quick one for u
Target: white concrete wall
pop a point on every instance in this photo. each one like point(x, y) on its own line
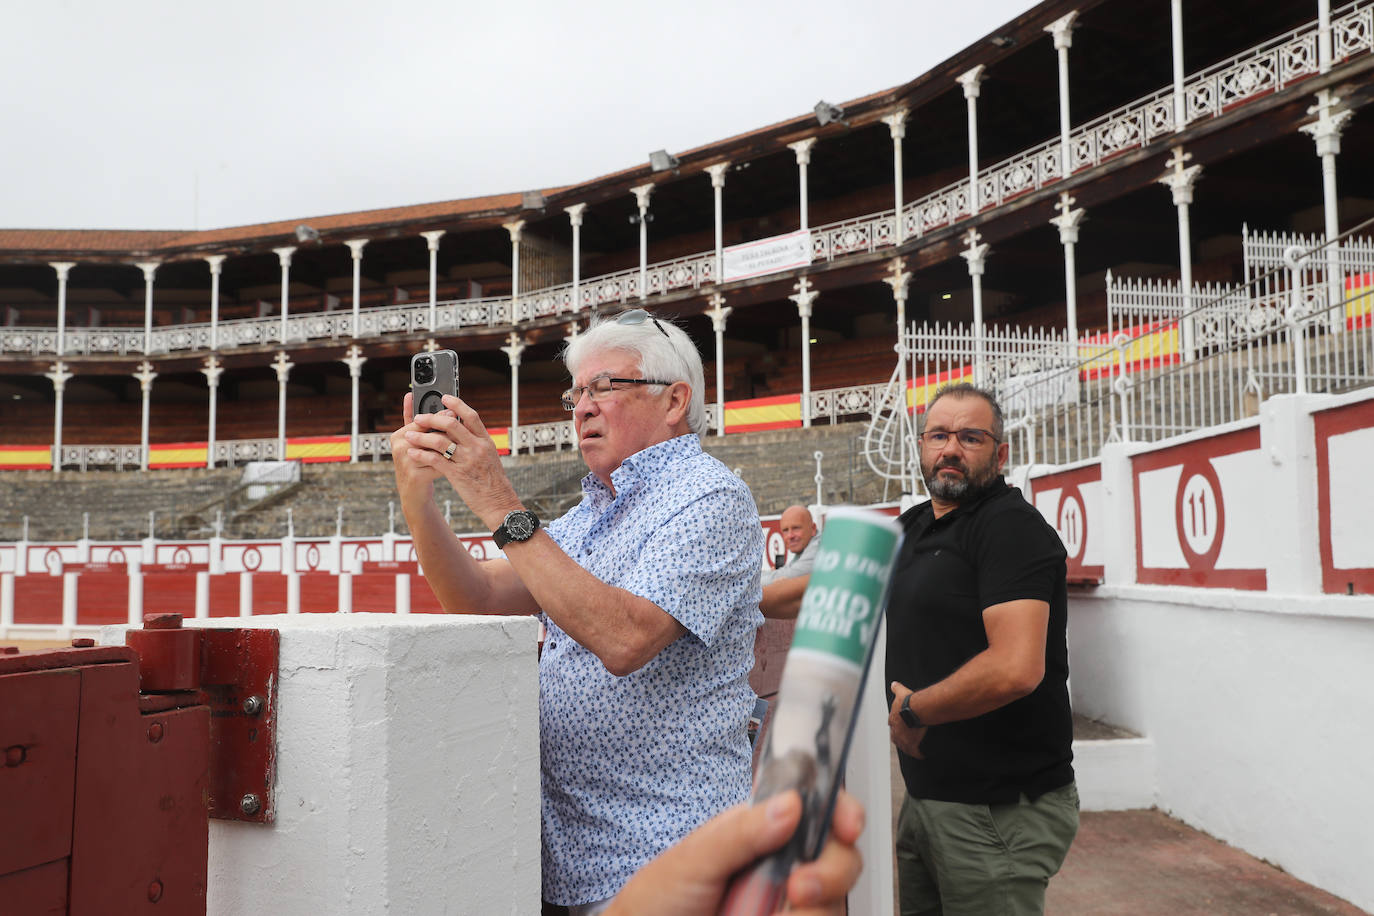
point(407, 771)
point(1260, 708)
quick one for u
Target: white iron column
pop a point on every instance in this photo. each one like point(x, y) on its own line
point(718, 312)
point(976, 254)
point(516, 229)
point(513, 348)
point(59, 376)
point(1180, 179)
point(149, 268)
point(284, 255)
point(354, 359)
point(803, 150)
point(575, 217)
point(145, 376)
point(1180, 105)
point(1062, 30)
point(900, 279)
point(641, 193)
point(970, 80)
point(1067, 223)
point(717, 173)
point(62, 268)
point(804, 297)
point(212, 369)
point(216, 262)
point(432, 238)
point(1324, 35)
point(896, 125)
point(356, 247)
point(283, 367)
point(1326, 132)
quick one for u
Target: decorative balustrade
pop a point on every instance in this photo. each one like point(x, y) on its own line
point(544, 435)
point(1352, 30)
point(853, 236)
point(1265, 68)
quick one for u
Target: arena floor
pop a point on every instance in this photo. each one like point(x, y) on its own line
point(1145, 863)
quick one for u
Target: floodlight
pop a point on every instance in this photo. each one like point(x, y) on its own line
point(306, 233)
point(660, 160)
point(828, 114)
point(532, 200)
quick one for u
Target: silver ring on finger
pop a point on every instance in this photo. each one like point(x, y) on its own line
point(448, 452)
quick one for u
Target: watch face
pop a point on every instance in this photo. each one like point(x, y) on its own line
point(521, 525)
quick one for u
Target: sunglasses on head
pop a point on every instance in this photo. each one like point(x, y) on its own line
point(639, 316)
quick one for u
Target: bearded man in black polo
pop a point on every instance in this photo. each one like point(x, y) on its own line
point(977, 658)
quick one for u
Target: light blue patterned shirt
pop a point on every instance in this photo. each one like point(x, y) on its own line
point(632, 764)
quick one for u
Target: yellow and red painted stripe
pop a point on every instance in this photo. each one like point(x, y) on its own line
point(178, 454)
point(1359, 300)
point(25, 457)
point(317, 449)
point(779, 412)
point(1151, 346)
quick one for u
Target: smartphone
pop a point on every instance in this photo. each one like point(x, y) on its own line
point(433, 375)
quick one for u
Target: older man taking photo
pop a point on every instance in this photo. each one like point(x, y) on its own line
point(648, 589)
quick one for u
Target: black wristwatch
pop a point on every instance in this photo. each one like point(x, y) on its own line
point(909, 715)
point(519, 525)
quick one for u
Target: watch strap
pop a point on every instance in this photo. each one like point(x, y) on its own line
point(526, 524)
point(908, 714)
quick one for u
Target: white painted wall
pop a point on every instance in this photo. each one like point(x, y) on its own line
point(407, 770)
point(1260, 709)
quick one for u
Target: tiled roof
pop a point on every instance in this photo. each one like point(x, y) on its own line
point(126, 242)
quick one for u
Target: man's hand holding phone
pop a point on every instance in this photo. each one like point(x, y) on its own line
point(454, 444)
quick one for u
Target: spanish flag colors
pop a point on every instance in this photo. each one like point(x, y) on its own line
point(178, 454)
point(25, 457)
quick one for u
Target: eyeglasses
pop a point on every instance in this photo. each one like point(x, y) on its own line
point(968, 438)
point(598, 388)
point(639, 316)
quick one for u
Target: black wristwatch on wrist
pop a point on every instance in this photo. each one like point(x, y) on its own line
point(909, 715)
point(519, 525)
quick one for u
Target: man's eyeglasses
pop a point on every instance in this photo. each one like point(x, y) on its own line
point(639, 316)
point(600, 387)
point(968, 438)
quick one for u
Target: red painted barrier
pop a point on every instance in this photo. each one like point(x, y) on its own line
point(224, 595)
point(102, 597)
point(169, 593)
point(269, 593)
point(38, 599)
point(319, 593)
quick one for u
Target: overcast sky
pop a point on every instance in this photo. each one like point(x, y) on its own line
point(154, 114)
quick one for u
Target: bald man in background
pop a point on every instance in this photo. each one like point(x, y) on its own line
point(783, 586)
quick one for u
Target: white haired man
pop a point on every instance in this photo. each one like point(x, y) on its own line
point(648, 589)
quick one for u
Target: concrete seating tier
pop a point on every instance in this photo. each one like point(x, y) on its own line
point(118, 502)
point(777, 465)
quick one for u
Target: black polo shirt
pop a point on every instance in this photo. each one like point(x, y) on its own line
point(995, 549)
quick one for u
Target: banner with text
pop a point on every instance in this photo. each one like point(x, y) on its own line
point(767, 256)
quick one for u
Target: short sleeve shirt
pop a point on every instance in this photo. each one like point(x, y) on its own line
point(799, 564)
point(988, 552)
point(632, 764)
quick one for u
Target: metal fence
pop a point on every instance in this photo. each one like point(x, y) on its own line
point(1171, 361)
